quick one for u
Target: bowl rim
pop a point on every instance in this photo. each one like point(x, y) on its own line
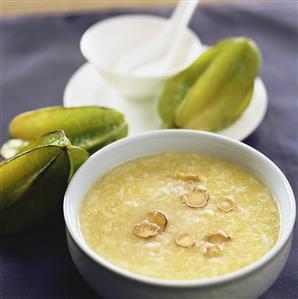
point(149, 17)
point(203, 283)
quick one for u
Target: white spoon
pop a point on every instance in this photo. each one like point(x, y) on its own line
point(159, 54)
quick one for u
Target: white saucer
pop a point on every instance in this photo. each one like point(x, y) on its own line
point(86, 87)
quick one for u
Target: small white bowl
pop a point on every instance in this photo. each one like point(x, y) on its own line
point(113, 282)
point(104, 43)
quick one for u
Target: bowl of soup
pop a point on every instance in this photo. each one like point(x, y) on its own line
point(179, 214)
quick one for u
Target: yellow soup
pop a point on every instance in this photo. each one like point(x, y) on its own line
point(179, 216)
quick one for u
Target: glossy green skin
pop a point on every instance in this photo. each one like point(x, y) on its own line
point(177, 87)
point(215, 90)
point(89, 127)
point(53, 138)
point(32, 184)
point(76, 155)
point(34, 181)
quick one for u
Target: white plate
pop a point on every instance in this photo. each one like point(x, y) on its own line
point(86, 87)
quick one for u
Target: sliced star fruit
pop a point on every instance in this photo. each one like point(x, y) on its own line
point(185, 240)
point(146, 229)
point(226, 204)
point(159, 218)
point(218, 237)
point(89, 127)
point(212, 250)
point(196, 198)
point(33, 182)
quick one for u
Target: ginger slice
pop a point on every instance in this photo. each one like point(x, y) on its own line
point(212, 250)
point(217, 237)
point(185, 240)
point(146, 229)
point(187, 177)
point(215, 243)
point(159, 218)
point(196, 198)
point(226, 204)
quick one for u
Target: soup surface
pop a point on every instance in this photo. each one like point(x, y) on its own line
point(179, 216)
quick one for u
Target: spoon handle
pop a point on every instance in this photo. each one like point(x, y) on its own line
point(177, 23)
point(183, 12)
point(158, 47)
point(171, 45)
point(180, 19)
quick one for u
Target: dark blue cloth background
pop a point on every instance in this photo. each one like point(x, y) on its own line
point(39, 54)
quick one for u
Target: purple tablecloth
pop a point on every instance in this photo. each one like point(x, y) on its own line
point(39, 54)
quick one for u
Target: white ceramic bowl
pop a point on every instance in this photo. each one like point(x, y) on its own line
point(104, 43)
point(113, 282)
